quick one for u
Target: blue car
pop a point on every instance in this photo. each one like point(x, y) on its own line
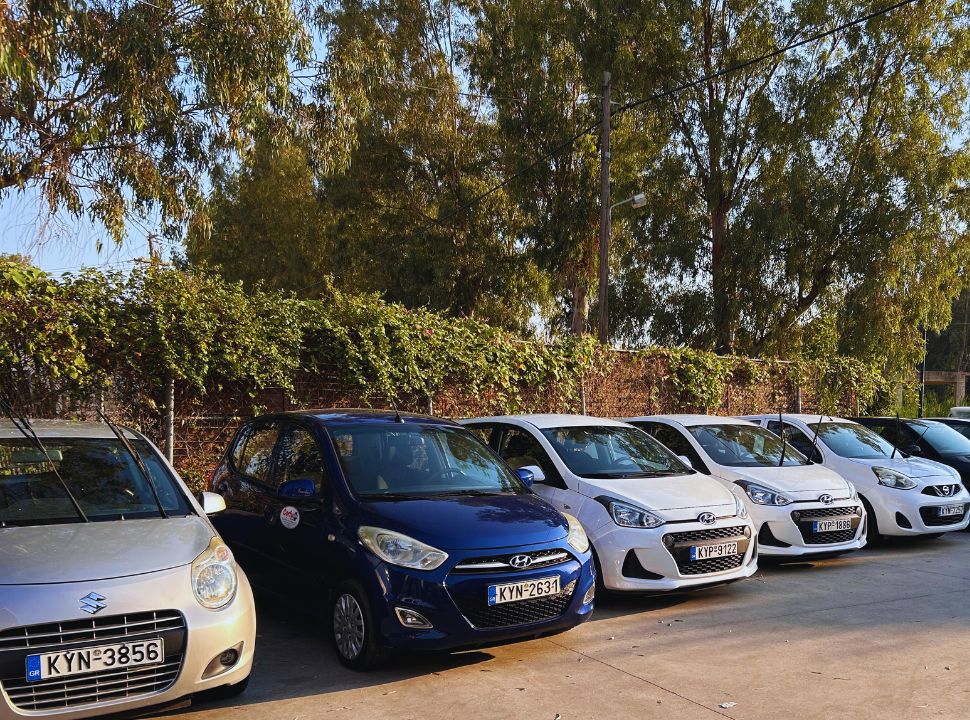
point(406, 530)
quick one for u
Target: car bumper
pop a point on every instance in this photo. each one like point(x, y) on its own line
point(657, 559)
point(205, 635)
point(455, 604)
point(897, 509)
point(786, 530)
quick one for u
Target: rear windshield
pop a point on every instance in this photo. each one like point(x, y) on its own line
point(745, 446)
point(100, 473)
point(401, 461)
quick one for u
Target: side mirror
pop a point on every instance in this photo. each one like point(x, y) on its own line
point(530, 474)
point(913, 449)
point(686, 460)
point(212, 503)
point(298, 488)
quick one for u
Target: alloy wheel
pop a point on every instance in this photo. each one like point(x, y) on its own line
point(348, 626)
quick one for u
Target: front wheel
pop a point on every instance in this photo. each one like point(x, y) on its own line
point(354, 629)
point(873, 536)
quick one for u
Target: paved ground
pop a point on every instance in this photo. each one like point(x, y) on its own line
point(883, 633)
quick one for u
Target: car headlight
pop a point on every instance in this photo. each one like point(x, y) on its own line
point(893, 479)
point(576, 536)
point(762, 495)
point(398, 549)
point(214, 579)
point(741, 510)
point(632, 516)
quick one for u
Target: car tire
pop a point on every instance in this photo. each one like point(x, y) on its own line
point(601, 589)
point(225, 692)
point(873, 536)
point(354, 629)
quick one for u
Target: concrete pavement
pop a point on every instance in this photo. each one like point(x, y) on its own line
point(882, 633)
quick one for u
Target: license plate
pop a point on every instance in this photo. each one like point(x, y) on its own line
point(832, 524)
point(94, 659)
point(949, 510)
point(705, 552)
point(526, 590)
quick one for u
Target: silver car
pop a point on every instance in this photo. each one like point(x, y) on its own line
point(116, 593)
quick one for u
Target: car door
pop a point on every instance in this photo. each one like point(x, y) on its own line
point(520, 448)
point(301, 523)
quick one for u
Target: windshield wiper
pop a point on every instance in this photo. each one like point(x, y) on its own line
point(138, 461)
point(390, 496)
point(630, 474)
point(27, 430)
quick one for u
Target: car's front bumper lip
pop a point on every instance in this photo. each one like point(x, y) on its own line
point(886, 502)
point(785, 529)
point(207, 632)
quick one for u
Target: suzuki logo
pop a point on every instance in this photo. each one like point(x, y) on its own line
point(826, 499)
point(92, 603)
point(707, 518)
point(520, 561)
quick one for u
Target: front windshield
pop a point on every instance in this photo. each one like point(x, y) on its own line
point(850, 440)
point(942, 438)
point(613, 451)
point(744, 446)
point(100, 473)
point(399, 461)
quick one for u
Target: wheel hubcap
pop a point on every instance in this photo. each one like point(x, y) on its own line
point(348, 626)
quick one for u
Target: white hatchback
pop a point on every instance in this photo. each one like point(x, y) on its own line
point(654, 523)
point(800, 508)
point(905, 495)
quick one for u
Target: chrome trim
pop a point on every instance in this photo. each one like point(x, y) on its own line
point(546, 560)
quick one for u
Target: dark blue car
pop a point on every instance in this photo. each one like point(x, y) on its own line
point(407, 531)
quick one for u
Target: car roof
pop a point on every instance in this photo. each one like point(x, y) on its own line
point(690, 420)
point(807, 418)
point(359, 416)
point(945, 420)
point(551, 420)
point(64, 429)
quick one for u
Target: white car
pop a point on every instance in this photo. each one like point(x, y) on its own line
point(799, 507)
point(654, 523)
point(904, 495)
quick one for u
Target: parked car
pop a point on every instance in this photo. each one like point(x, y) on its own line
point(654, 523)
point(960, 411)
point(406, 530)
point(927, 439)
point(116, 593)
point(903, 494)
point(960, 424)
point(800, 508)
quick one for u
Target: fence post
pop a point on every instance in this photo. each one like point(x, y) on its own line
point(582, 395)
point(169, 420)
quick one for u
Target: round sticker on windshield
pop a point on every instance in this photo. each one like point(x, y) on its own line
point(289, 517)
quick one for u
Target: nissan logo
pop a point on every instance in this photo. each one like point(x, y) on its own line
point(826, 499)
point(947, 489)
point(707, 518)
point(520, 561)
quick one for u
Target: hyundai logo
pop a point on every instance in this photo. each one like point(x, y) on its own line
point(826, 499)
point(707, 518)
point(92, 603)
point(520, 561)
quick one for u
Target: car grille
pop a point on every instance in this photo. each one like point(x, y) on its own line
point(678, 544)
point(538, 559)
point(931, 519)
point(524, 612)
point(803, 519)
point(95, 687)
point(942, 490)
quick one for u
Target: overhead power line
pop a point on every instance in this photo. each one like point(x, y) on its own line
point(626, 107)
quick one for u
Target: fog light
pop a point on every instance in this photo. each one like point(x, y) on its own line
point(747, 531)
point(223, 662)
point(590, 594)
point(412, 619)
point(229, 657)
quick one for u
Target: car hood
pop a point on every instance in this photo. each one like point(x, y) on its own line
point(82, 552)
point(791, 478)
point(913, 467)
point(663, 493)
point(470, 522)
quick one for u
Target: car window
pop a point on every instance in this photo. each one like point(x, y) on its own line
point(939, 437)
point(850, 440)
point(613, 452)
point(254, 452)
point(100, 473)
point(300, 458)
point(519, 448)
point(675, 442)
point(485, 433)
point(794, 437)
point(736, 445)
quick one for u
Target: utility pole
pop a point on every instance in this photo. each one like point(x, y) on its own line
point(922, 377)
point(605, 210)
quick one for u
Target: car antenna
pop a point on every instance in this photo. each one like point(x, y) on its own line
point(781, 429)
point(926, 429)
point(892, 455)
point(137, 458)
point(27, 430)
point(397, 413)
point(815, 437)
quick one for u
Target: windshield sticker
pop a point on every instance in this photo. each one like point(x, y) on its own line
point(289, 517)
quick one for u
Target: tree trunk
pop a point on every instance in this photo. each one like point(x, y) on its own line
point(578, 324)
point(723, 310)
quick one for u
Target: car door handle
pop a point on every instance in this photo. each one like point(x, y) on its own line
point(566, 507)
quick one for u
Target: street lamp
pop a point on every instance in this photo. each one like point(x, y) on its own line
point(603, 325)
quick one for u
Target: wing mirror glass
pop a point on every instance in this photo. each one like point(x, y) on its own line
point(298, 488)
point(212, 503)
